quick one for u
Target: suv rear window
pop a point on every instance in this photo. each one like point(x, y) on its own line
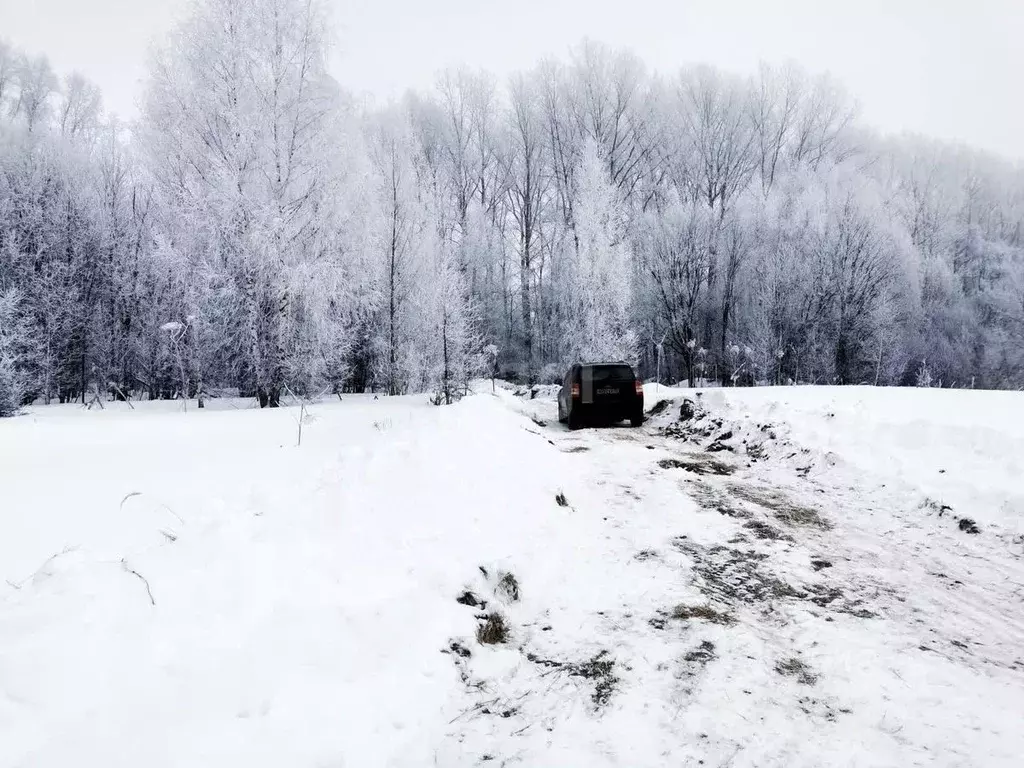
point(608, 374)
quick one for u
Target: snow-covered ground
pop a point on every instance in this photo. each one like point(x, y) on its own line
point(193, 589)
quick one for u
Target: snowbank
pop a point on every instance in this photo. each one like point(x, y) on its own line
point(961, 448)
point(301, 595)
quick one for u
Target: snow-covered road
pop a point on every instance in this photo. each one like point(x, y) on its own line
point(782, 602)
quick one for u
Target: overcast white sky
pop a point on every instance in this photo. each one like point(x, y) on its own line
point(949, 68)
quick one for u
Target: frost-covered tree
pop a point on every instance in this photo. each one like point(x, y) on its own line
point(455, 346)
point(597, 278)
point(528, 182)
point(240, 117)
point(677, 269)
point(402, 234)
point(583, 209)
point(14, 344)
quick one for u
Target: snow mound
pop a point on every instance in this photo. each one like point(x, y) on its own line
point(705, 421)
point(538, 392)
point(954, 453)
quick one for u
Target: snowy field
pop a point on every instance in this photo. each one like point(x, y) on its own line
point(791, 577)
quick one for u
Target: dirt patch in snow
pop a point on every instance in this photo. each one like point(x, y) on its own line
point(458, 649)
point(702, 654)
point(967, 525)
point(836, 601)
point(766, 532)
point(820, 708)
point(699, 463)
point(705, 612)
point(734, 575)
point(659, 408)
point(694, 430)
point(471, 599)
point(793, 667)
point(693, 663)
point(601, 670)
point(508, 587)
point(710, 497)
point(782, 507)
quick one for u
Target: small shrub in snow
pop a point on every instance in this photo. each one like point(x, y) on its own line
point(560, 499)
point(924, 375)
point(493, 630)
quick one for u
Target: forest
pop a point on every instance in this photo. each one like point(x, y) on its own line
point(258, 230)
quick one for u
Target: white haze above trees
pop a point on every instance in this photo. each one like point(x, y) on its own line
point(584, 209)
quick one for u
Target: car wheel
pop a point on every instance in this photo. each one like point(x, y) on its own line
point(561, 414)
point(636, 420)
point(573, 420)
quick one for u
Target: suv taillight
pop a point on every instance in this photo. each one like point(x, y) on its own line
point(639, 387)
point(574, 390)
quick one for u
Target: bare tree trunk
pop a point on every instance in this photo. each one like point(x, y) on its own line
point(447, 371)
point(392, 287)
point(524, 291)
point(277, 373)
point(253, 332)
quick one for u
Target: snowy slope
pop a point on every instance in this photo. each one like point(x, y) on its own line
point(965, 447)
point(673, 606)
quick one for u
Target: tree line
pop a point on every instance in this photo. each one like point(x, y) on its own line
point(259, 229)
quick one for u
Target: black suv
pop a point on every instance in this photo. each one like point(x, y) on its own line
point(600, 392)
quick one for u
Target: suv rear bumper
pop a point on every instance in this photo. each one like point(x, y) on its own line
point(607, 412)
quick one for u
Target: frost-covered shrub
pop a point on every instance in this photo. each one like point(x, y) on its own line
point(924, 375)
point(12, 343)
